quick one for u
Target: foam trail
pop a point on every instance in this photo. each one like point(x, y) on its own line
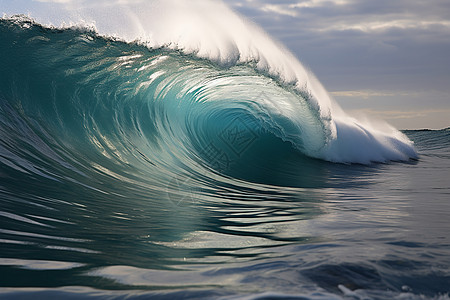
point(211, 30)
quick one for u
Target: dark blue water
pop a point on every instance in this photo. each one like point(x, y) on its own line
point(128, 173)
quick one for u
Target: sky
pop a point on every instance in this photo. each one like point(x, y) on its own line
point(388, 59)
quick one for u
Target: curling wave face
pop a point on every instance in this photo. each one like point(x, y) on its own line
point(295, 106)
point(139, 107)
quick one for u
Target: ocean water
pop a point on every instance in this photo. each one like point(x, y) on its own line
point(217, 168)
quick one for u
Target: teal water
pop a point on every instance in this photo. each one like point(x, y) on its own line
point(135, 172)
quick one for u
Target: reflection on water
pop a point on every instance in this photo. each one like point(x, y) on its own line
point(194, 232)
point(343, 228)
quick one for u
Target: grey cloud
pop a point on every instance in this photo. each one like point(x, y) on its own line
point(394, 49)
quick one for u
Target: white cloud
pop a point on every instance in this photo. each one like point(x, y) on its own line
point(54, 1)
point(294, 9)
point(279, 9)
point(370, 26)
point(112, 2)
point(366, 94)
point(317, 3)
point(387, 114)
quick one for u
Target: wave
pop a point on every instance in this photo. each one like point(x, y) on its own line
point(137, 96)
point(195, 81)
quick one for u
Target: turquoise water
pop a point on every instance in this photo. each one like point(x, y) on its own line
point(135, 172)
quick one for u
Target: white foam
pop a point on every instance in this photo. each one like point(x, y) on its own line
point(359, 142)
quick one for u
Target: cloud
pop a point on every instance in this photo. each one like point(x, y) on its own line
point(279, 9)
point(410, 109)
point(293, 9)
point(54, 1)
point(368, 26)
point(362, 44)
point(103, 2)
point(407, 119)
point(366, 94)
point(317, 3)
point(364, 15)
